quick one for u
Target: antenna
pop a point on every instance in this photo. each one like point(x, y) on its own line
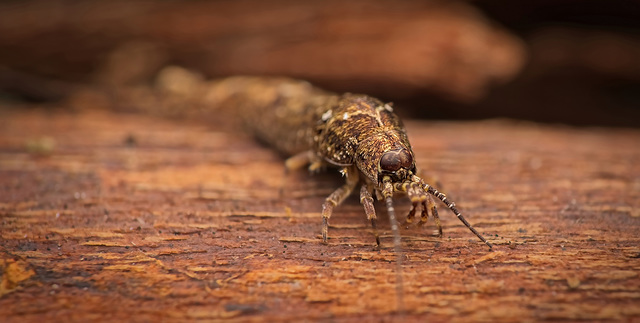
point(398, 251)
point(452, 207)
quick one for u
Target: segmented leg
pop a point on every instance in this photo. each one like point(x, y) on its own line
point(430, 205)
point(367, 202)
point(299, 161)
point(430, 202)
point(434, 212)
point(337, 197)
point(411, 214)
point(417, 196)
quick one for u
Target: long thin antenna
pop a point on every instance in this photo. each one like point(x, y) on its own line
point(399, 256)
point(452, 206)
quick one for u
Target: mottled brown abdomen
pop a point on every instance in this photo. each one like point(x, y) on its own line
point(281, 112)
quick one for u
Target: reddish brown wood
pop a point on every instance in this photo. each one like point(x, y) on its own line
point(108, 216)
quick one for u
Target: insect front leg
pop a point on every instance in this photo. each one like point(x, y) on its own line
point(367, 202)
point(417, 197)
point(337, 197)
point(430, 204)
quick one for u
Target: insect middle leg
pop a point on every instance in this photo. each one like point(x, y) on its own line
point(337, 197)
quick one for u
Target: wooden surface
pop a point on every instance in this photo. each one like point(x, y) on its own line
point(110, 216)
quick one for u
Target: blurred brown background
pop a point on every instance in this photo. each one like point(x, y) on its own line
point(574, 62)
point(122, 217)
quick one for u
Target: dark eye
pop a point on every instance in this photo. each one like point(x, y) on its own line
point(393, 160)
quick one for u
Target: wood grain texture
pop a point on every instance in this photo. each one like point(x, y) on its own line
point(107, 216)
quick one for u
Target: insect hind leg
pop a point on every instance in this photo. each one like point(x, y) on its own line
point(302, 159)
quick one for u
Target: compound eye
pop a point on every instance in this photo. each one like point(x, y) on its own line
point(393, 160)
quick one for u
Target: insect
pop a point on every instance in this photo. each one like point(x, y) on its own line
point(358, 134)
